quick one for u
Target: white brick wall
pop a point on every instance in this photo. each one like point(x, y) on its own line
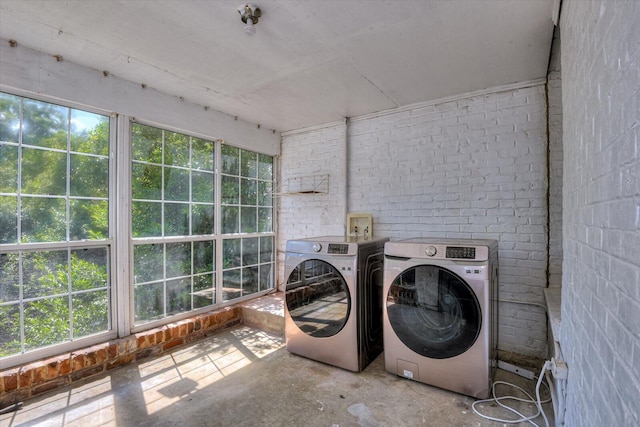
point(305, 154)
point(600, 329)
point(554, 94)
point(470, 168)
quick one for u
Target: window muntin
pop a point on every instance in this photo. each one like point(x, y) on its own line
point(55, 242)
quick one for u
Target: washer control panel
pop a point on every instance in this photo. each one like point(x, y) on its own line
point(337, 248)
point(461, 252)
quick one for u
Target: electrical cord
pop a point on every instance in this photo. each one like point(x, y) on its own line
point(537, 401)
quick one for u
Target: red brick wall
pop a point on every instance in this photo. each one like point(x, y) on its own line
point(25, 381)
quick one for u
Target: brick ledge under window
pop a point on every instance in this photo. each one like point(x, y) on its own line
point(25, 381)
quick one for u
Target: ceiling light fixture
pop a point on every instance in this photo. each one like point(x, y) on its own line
point(249, 14)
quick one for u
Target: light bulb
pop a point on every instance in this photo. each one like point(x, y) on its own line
point(250, 29)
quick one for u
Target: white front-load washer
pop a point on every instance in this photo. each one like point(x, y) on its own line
point(440, 312)
point(333, 299)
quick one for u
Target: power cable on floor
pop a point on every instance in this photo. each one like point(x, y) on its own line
point(537, 401)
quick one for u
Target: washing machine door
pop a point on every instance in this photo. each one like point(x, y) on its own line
point(433, 311)
point(317, 298)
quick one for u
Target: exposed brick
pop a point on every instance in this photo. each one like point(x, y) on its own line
point(121, 361)
point(25, 376)
point(77, 361)
point(182, 330)
point(173, 343)
point(65, 366)
point(142, 341)
point(40, 373)
point(158, 337)
point(87, 372)
point(112, 350)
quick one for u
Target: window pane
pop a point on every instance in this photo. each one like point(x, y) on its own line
point(8, 168)
point(43, 220)
point(250, 280)
point(45, 125)
point(176, 149)
point(146, 182)
point(89, 219)
point(8, 219)
point(178, 259)
point(148, 262)
point(146, 143)
point(232, 287)
point(89, 270)
point(230, 160)
point(250, 251)
point(230, 218)
point(178, 296)
point(203, 257)
point(89, 176)
point(9, 117)
point(248, 192)
point(202, 154)
point(149, 302)
point(265, 197)
point(203, 290)
point(44, 172)
point(266, 277)
point(147, 219)
point(45, 273)
point(248, 220)
point(46, 322)
point(202, 187)
point(90, 313)
point(10, 340)
point(265, 220)
point(231, 255)
point(176, 184)
point(176, 219)
point(9, 278)
point(202, 219)
point(89, 133)
point(230, 190)
point(249, 164)
point(266, 249)
point(265, 167)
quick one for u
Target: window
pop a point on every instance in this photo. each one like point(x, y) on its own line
point(247, 207)
point(174, 223)
point(54, 224)
point(173, 193)
point(198, 235)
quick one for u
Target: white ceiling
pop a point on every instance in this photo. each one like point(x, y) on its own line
point(310, 62)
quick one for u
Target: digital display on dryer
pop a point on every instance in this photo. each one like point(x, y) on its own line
point(339, 249)
point(460, 252)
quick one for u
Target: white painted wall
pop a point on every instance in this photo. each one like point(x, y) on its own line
point(600, 331)
point(471, 167)
point(28, 72)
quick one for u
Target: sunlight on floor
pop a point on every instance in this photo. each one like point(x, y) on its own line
point(162, 381)
point(170, 378)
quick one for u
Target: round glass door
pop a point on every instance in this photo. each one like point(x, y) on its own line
point(433, 312)
point(317, 298)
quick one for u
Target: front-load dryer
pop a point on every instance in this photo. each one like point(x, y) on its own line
point(440, 312)
point(333, 299)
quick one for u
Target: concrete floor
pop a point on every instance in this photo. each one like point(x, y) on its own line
point(246, 377)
